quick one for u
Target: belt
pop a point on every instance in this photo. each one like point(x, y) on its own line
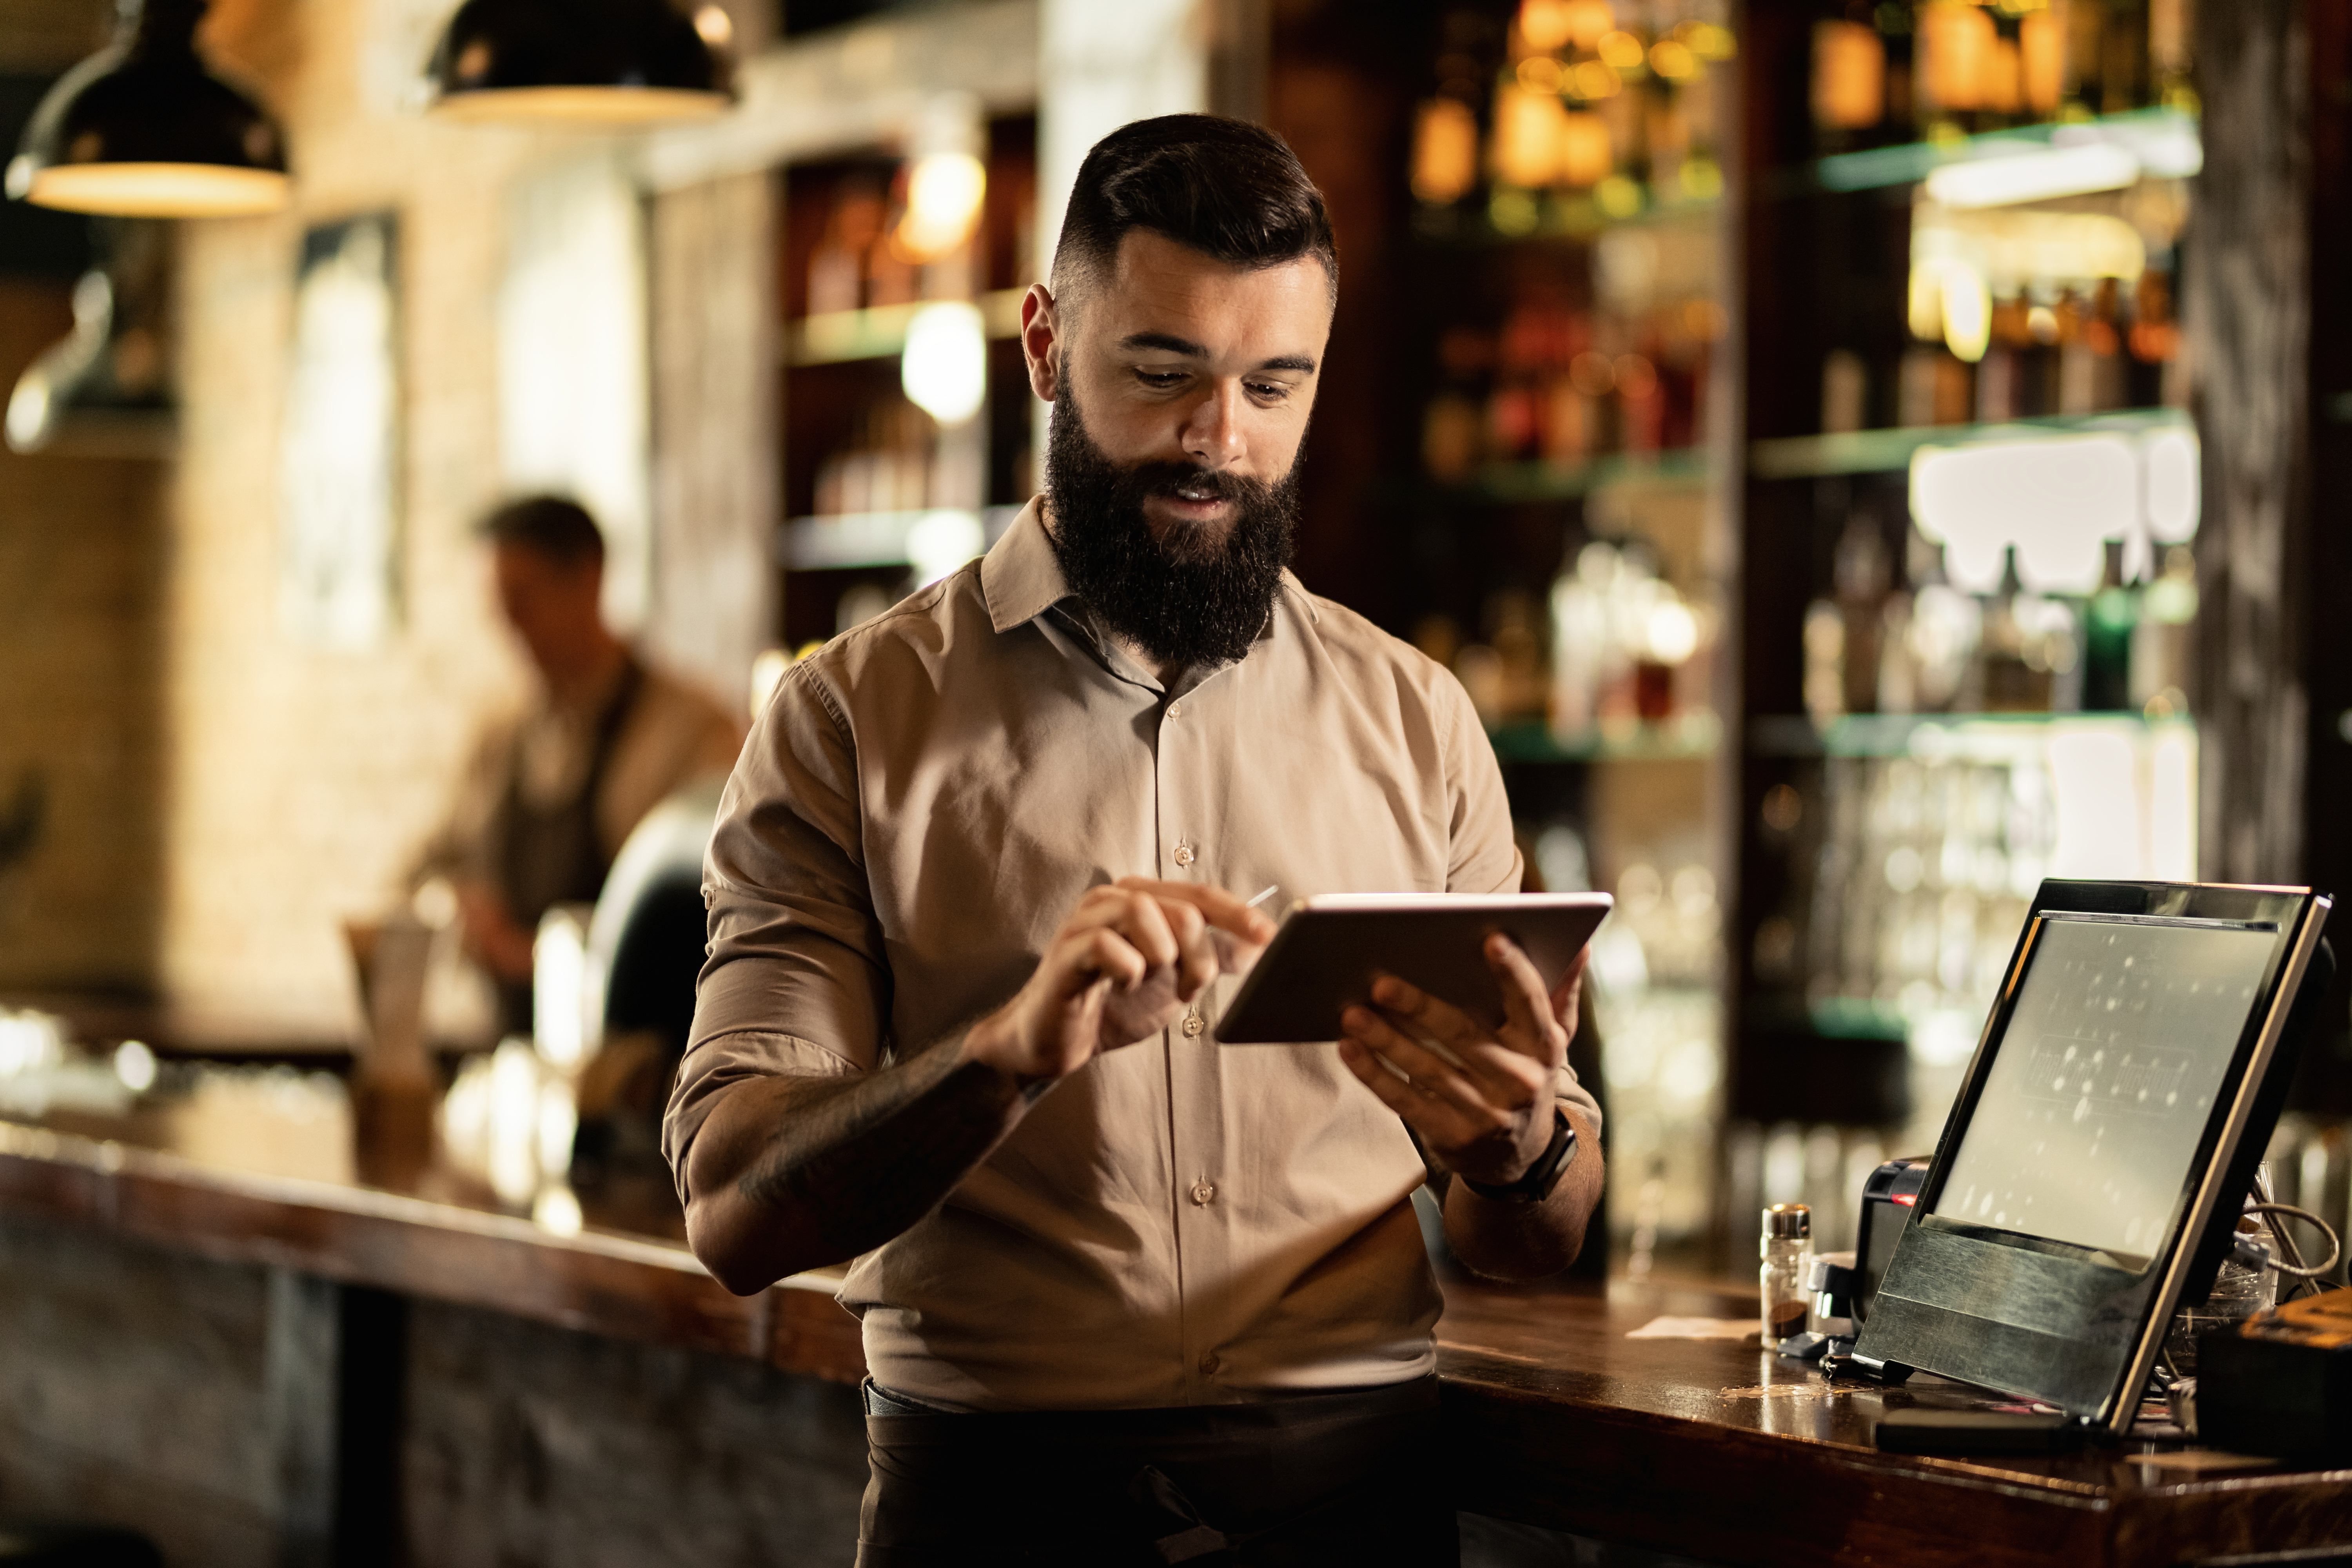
point(1307, 1479)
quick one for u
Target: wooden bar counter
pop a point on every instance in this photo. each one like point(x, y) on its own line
point(390, 1389)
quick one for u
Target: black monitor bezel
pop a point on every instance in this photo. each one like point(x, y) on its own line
point(2081, 1329)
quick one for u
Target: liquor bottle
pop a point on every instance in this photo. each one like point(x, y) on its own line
point(2107, 631)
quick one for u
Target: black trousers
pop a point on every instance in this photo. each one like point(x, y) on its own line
point(1317, 1479)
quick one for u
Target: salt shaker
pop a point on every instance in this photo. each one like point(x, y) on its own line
point(1787, 1246)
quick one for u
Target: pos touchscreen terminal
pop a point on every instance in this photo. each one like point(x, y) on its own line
point(2088, 1177)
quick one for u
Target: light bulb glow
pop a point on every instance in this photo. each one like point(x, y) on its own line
point(2034, 176)
point(582, 107)
point(155, 190)
point(944, 191)
point(2056, 500)
point(1967, 312)
point(944, 368)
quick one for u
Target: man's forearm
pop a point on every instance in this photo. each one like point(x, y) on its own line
point(793, 1173)
point(1529, 1241)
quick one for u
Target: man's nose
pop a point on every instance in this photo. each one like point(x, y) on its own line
point(1212, 434)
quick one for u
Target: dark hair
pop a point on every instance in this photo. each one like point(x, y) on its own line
point(553, 526)
point(1226, 187)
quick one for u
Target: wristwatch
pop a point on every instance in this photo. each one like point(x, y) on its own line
point(1543, 1176)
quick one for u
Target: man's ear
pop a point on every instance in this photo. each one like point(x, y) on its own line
point(1040, 340)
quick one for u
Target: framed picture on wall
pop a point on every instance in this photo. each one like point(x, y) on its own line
point(338, 576)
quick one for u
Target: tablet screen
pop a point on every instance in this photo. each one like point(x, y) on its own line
point(2104, 1080)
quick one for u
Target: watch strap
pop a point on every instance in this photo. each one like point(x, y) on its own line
point(1542, 1176)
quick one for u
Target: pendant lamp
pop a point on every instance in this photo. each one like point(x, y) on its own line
point(588, 63)
point(143, 130)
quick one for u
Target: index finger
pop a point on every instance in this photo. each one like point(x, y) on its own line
point(1525, 1002)
point(1564, 995)
point(1218, 908)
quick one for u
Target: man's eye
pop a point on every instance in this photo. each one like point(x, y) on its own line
point(1272, 391)
point(1159, 378)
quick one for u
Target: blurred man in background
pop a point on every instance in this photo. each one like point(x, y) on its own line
point(551, 794)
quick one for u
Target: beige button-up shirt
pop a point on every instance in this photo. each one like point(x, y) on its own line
point(920, 805)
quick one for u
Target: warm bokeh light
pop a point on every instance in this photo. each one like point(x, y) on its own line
point(153, 190)
point(944, 191)
point(1967, 312)
point(1956, 45)
point(1528, 134)
point(1622, 50)
point(1848, 75)
point(944, 369)
point(1444, 150)
point(1585, 154)
point(1672, 59)
point(587, 108)
point(1546, 25)
point(2041, 61)
point(2034, 176)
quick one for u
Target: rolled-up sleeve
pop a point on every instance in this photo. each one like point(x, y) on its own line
point(796, 982)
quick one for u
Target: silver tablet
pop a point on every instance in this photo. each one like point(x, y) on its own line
point(1329, 950)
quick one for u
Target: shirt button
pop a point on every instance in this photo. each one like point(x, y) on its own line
point(1194, 1025)
point(1184, 854)
point(1209, 1364)
point(1175, 710)
point(1203, 1191)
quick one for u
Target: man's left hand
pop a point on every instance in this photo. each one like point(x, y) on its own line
point(1481, 1100)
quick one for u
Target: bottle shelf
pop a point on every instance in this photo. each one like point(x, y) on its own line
point(1973, 737)
point(2163, 141)
point(1851, 1018)
point(1547, 215)
point(1693, 736)
point(840, 337)
point(1889, 450)
point(858, 541)
point(1508, 483)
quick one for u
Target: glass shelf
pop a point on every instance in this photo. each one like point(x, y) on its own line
point(1831, 1019)
point(1504, 483)
point(1553, 216)
point(1985, 737)
point(857, 541)
point(1889, 450)
point(1691, 738)
point(2163, 139)
point(839, 337)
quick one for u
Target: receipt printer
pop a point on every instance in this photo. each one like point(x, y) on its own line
point(1887, 1201)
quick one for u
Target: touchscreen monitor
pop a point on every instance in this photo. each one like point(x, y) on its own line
point(2106, 1132)
point(2089, 1121)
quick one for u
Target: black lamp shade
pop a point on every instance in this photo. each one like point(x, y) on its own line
point(144, 130)
point(610, 62)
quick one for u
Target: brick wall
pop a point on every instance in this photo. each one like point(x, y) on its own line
point(300, 782)
point(80, 575)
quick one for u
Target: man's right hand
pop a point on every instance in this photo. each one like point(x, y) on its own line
point(1126, 963)
point(790, 1172)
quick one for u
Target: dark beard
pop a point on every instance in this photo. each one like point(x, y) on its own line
point(1183, 601)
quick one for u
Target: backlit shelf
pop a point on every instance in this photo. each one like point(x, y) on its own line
point(1692, 737)
point(840, 337)
point(2162, 141)
point(1507, 483)
point(1974, 737)
point(1889, 450)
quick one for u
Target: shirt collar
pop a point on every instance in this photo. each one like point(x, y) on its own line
point(1021, 578)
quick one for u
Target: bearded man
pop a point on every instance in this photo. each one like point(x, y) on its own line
point(977, 890)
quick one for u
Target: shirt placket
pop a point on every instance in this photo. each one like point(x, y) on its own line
point(1203, 1203)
